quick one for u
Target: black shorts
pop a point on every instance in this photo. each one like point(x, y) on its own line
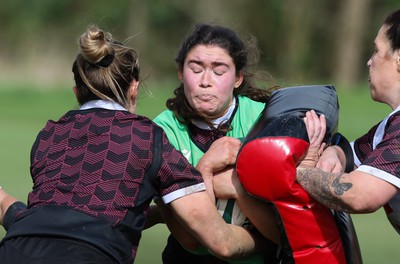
point(47, 250)
point(174, 253)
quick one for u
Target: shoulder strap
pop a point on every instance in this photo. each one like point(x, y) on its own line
point(157, 150)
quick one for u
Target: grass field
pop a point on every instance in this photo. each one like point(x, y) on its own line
point(23, 112)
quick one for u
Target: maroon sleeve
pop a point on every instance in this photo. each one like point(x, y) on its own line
point(386, 155)
point(175, 172)
point(363, 145)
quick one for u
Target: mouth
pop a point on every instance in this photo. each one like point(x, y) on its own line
point(205, 97)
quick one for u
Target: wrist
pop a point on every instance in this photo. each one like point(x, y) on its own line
point(240, 191)
point(204, 166)
point(310, 161)
point(300, 172)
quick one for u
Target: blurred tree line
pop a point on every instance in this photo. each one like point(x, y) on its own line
point(302, 41)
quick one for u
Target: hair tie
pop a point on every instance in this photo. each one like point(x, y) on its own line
point(107, 60)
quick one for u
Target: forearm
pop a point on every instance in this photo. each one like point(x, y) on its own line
point(326, 188)
point(261, 214)
point(184, 237)
point(354, 192)
point(229, 241)
point(241, 243)
point(198, 214)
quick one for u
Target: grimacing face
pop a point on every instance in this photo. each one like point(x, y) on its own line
point(383, 70)
point(209, 78)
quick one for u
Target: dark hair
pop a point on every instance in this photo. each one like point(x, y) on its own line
point(104, 68)
point(393, 32)
point(215, 36)
point(228, 40)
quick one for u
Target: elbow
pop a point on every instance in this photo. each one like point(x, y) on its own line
point(361, 205)
point(365, 209)
point(223, 252)
point(229, 249)
point(359, 209)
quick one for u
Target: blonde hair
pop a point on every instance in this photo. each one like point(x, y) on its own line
point(104, 68)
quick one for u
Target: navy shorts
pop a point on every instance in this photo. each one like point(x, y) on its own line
point(48, 250)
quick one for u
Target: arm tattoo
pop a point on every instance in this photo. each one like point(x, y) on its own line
point(340, 188)
point(324, 187)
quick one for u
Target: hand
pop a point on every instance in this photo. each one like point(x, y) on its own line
point(222, 153)
point(329, 160)
point(316, 129)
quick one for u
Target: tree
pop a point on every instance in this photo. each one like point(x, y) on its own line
point(349, 38)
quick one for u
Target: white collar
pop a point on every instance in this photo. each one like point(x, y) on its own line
point(218, 121)
point(102, 104)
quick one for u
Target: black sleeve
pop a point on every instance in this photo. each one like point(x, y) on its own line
point(11, 214)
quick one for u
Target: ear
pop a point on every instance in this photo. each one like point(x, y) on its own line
point(75, 91)
point(180, 75)
point(398, 60)
point(133, 90)
point(132, 95)
point(239, 79)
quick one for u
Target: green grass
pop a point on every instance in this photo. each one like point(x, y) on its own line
point(23, 112)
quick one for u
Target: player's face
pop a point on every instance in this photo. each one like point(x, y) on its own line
point(209, 77)
point(383, 69)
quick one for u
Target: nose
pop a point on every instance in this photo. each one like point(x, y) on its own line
point(205, 80)
point(369, 63)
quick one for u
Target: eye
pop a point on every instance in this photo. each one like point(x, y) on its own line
point(196, 69)
point(219, 71)
point(375, 50)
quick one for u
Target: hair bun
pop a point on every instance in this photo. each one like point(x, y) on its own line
point(96, 46)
